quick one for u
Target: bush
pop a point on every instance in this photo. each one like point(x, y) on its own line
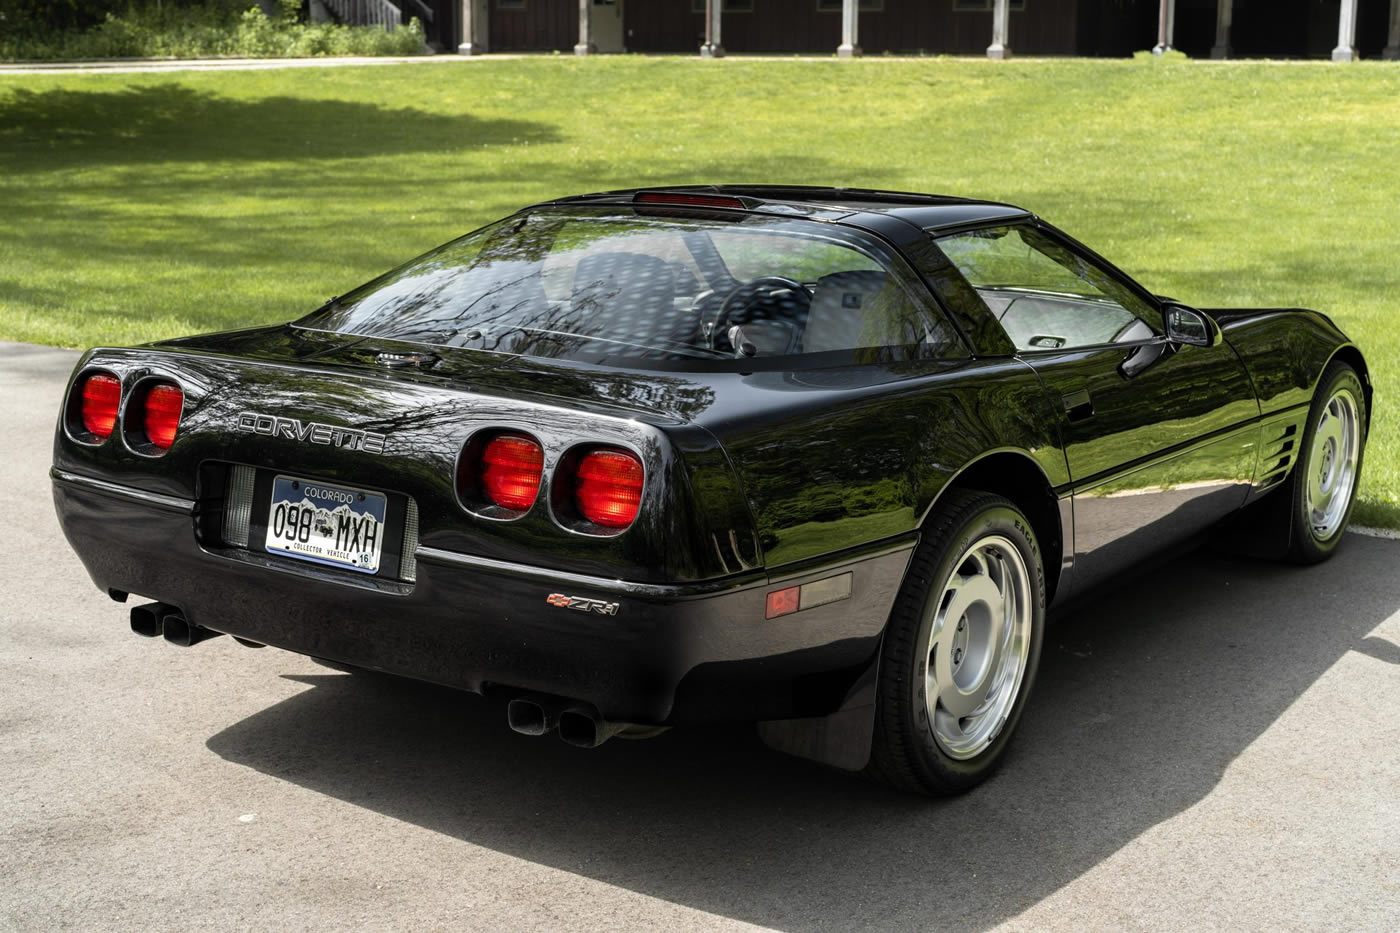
point(191, 30)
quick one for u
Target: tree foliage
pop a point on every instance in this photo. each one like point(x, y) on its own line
point(79, 29)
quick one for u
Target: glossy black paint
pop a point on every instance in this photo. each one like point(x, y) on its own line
point(756, 479)
point(671, 655)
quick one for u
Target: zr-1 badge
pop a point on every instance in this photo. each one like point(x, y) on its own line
point(583, 604)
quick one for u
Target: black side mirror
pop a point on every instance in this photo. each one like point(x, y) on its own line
point(1189, 326)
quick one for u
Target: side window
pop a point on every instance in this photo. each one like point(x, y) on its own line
point(1045, 295)
point(748, 257)
point(848, 300)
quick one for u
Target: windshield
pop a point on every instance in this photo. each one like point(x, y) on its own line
point(626, 288)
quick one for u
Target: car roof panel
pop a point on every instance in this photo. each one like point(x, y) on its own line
point(927, 211)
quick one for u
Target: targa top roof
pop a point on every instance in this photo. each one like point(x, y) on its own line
point(927, 211)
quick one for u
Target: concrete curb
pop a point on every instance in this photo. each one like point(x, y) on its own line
point(158, 65)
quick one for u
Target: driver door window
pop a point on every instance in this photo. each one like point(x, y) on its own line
point(1046, 296)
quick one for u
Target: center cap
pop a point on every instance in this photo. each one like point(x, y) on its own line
point(959, 649)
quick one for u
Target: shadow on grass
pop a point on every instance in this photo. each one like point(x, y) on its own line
point(1140, 708)
point(315, 226)
point(172, 122)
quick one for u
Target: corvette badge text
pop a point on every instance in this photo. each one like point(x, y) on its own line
point(312, 432)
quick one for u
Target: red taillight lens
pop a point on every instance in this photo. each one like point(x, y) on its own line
point(608, 487)
point(163, 405)
point(101, 395)
point(511, 467)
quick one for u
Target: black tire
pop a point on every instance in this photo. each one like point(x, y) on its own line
point(1306, 544)
point(906, 753)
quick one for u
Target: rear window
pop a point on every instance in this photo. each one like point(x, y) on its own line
point(629, 289)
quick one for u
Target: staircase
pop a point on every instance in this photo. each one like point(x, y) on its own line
point(376, 12)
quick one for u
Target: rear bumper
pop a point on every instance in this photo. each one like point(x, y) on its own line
point(669, 654)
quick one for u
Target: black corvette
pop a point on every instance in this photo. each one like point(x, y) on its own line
point(808, 457)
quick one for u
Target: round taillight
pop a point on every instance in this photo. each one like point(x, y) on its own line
point(161, 418)
point(102, 393)
point(511, 467)
point(608, 487)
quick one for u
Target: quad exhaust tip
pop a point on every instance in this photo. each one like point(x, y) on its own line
point(146, 619)
point(180, 632)
point(578, 724)
point(582, 727)
point(532, 716)
point(155, 619)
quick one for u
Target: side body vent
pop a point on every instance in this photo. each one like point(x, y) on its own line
point(1278, 450)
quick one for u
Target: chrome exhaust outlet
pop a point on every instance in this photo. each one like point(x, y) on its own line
point(146, 620)
point(582, 727)
point(178, 631)
point(532, 715)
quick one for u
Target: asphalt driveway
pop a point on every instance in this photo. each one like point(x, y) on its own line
point(1216, 746)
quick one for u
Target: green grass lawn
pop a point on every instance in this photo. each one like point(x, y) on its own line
point(134, 207)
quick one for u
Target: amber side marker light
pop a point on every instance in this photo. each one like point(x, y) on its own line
point(511, 467)
point(163, 405)
point(807, 596)
point(102, 393)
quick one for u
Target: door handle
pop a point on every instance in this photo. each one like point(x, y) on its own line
point(1078, 405)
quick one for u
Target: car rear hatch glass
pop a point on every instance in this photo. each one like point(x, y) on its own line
point(642, 289)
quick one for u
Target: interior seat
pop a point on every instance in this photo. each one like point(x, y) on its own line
point(629, 297)
point(836, 319)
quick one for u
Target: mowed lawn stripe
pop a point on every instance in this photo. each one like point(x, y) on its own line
point(145, 206)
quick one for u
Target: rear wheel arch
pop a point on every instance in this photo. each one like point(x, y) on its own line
point(1014, 475)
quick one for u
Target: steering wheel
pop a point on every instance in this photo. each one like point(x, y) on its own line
point(751, 289)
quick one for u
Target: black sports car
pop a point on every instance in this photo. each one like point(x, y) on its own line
point(815, 458)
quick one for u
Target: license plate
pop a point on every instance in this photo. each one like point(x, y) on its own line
point(327, 524)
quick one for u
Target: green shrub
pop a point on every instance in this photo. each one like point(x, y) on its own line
point(213, 27)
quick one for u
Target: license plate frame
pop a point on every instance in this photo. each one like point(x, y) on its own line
point(336, 533)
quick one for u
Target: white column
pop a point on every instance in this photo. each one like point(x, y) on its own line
point(1166, 27)
point(1224, 11)
point(714, 46)
point(1001, 15)
point(850, 29)
point(1392, 46)
point(1346, 33)
point(585, 29)
point(474, 28)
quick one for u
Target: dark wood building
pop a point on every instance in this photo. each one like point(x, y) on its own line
point(1258, 28)
point(958, 27)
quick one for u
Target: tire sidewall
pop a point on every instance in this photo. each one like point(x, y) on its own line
point(1306, 544)
point(1012, 525)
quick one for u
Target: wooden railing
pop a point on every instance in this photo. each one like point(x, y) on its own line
point(366, 13)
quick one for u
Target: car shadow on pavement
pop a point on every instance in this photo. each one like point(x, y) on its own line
point(1145, 696)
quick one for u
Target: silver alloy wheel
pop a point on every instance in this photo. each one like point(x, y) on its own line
point(1330, 471)
point(977, 647)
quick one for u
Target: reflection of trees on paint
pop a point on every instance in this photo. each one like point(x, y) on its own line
point(428, 417)
point(605, 286)
point(871, 467)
